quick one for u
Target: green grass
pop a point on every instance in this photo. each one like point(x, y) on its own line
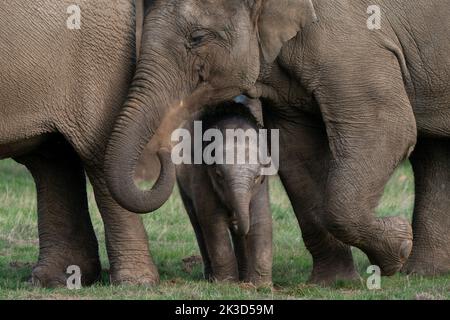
point(172, 239)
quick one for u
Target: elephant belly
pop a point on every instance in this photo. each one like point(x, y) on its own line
point(434, 122)
point(21, 148)
point(430, 98)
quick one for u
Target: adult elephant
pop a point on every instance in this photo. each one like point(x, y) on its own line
point(61, 89)
point(351, 103)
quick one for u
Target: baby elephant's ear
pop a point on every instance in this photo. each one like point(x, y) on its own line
point(255, 107)
point(280, 21)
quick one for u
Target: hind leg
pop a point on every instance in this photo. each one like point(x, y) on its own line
point(66, 235)
point(370, 132)
point(259, 240)
point(431, 222)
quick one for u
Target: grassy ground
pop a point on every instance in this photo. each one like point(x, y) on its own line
point(172, 240)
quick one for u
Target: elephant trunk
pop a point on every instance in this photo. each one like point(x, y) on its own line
point(241, 215)
point(140, 119)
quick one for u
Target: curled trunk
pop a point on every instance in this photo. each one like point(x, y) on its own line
point(140, 119)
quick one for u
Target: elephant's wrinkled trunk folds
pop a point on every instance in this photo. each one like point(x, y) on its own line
point(138, 123)
point(241, 216)
point(152, 111)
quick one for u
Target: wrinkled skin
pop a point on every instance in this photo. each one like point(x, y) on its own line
point(353, 100)
point(230, 198)
point(148, 167)
point(60, 92)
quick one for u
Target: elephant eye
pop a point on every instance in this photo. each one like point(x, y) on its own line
point(219, 173)
point(198, 37)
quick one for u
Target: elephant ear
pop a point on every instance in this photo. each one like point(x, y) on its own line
point(279, 21)
point(254, 106)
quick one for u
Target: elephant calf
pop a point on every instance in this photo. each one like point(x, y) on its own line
point(223, 198)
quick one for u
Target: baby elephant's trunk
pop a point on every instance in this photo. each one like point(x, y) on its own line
point(241, 214)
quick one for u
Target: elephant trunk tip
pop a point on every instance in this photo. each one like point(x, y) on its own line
point(240, 227)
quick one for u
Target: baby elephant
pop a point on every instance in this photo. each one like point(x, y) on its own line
point(229, 199)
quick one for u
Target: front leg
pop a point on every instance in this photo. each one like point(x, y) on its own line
point(304, 165)
point(214, 223)
point(371, 129)
point(126, 238)
point(259, 240)
point(241, 253)
point(66, 235)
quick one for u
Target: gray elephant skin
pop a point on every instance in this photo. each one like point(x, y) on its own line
point(229, 199)
point(61, 90)
point(351, 104)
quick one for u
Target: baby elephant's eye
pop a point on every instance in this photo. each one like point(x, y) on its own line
point(219, 173)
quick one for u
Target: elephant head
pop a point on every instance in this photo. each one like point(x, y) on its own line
point(236, 183)
point(193, 53)
point(235, 186)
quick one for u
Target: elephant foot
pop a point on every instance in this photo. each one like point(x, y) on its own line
point(258, 281)
point(217, 277)
point(426, 268)
point(330, 278)
point(225, 272)
point(332, 261)
point(428, 262)
point(54, 272)
point(392, 246)
point(224, 276)
point(139, 274)
point(327, 274)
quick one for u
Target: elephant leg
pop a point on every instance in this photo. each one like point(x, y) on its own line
point(304, 165)
point(431, 222)
point(214, 225)
point(332, 259)
point(371, 129)
point(198, 233)
point(126, 238)
point(241, 253)
point(66, 235)
point(259, 240)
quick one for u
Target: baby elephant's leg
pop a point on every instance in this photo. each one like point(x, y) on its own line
point(259, 239)
point(187, 201)
point(214, 225)
point(241, 252)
